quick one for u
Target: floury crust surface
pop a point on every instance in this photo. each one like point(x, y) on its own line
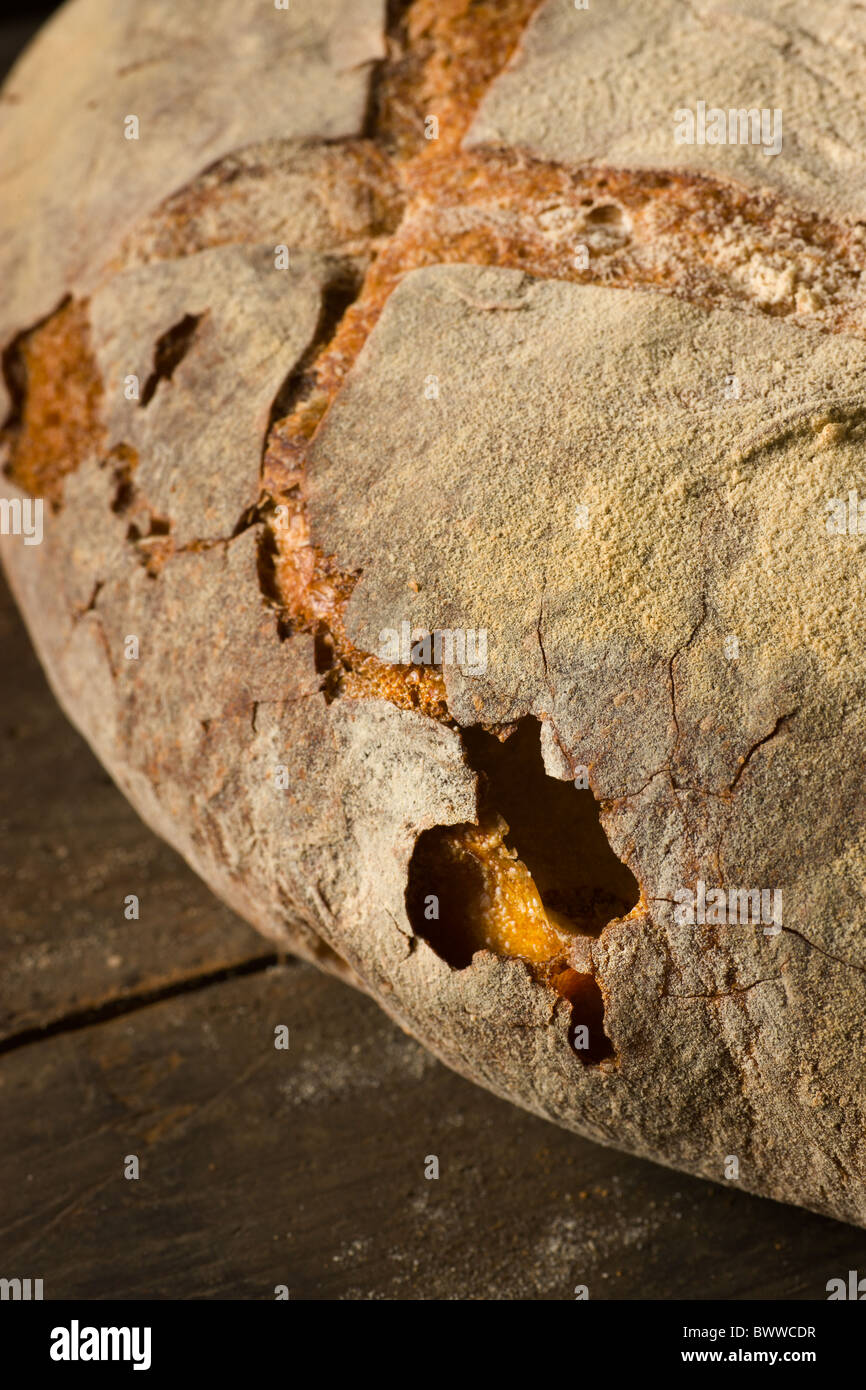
point(641, 62)
point(706, 517)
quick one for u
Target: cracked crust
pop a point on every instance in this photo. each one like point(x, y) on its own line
point(284, 490)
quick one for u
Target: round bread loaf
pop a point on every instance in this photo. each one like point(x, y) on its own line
point(434, 438)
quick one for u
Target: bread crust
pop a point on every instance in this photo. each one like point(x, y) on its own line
point(585, 485)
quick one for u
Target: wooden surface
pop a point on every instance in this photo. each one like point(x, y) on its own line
point(73, 850)
point(302, 1167)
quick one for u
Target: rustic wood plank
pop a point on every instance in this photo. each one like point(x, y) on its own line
point(72, 849)
point(306, 1167)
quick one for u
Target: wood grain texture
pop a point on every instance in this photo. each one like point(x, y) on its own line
point(72, 851)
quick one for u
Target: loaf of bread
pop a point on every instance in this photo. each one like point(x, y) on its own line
point(433, 450)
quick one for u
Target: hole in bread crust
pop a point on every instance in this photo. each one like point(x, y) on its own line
point(534, 873)
point(586, 1032)
point(606, 215)
point(169, 351)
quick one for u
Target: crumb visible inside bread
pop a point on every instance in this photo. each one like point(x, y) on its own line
point(531, 880)
point(485, 897)
point(534, 873)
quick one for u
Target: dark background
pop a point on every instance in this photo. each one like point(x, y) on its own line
point(155, 1037)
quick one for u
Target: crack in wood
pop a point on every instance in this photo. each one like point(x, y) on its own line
point(91, 1017)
